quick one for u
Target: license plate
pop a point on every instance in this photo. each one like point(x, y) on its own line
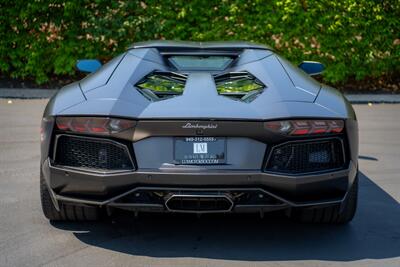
point(199, 150)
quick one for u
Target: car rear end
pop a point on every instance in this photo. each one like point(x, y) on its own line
point(199, 166)
point(215, 129)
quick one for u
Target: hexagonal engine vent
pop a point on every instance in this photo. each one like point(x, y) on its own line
point(160, 85)
point(240, 86)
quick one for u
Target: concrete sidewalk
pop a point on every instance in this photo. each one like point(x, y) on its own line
point(47, 93)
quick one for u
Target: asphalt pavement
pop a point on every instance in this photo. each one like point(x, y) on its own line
point(28, 239)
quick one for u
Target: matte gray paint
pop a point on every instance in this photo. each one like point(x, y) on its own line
point(243, 154)
point(251, 55)
point(289, 187)
point(101, 76)
point(333, 100)
point(68, 96)
point(289, 93)
point(182, 45)
point(300, 79)
point(151, 55)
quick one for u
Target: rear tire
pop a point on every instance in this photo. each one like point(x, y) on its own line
point(68, 212)
point(332, 214)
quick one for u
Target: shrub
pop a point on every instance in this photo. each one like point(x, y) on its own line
point(353, 38)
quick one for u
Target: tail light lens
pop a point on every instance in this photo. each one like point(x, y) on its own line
point(93, 125)
point(305, 127)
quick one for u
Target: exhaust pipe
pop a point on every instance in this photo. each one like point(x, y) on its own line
point(199, 203)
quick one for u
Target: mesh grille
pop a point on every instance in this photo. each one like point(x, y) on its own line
point(91, 154)
point(306, 157)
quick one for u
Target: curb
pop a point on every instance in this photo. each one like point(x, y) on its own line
point(27, 93)
point(373, 98)
point(47, 93)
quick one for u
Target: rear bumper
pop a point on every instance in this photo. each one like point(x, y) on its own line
point(286, 191)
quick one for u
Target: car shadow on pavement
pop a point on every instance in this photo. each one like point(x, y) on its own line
point(373, 234)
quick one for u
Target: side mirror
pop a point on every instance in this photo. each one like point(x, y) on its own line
point(88, 65)
point(311, 67)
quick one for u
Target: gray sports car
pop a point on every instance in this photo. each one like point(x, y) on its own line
point(213, 127)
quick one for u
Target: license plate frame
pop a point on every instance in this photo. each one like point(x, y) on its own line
point(199, 150)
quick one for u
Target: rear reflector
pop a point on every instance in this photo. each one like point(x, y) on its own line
point(93, 125)
point(305, 127)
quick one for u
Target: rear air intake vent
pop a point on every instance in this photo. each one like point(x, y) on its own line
point(92, 154)
point(239, 85)
point(307, 156)
point(161, 85)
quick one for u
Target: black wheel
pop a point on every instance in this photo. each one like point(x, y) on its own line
point(68, 212)
point(332, 214)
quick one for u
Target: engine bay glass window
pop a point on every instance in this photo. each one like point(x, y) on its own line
point(161, 85)
point(239, 85)
point(200, 63)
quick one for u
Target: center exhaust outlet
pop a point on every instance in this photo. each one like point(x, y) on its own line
point(198, 203)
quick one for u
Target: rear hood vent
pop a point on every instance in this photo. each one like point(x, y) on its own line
point(160, 85)
point(239, 85)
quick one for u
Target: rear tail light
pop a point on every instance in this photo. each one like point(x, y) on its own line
point(305, 127)
point(93, 125)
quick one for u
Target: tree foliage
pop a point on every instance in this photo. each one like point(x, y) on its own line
point(353, 38)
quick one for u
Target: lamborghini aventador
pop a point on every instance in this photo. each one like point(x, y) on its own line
point(211, 127)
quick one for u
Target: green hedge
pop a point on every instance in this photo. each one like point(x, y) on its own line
point(354, 39)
